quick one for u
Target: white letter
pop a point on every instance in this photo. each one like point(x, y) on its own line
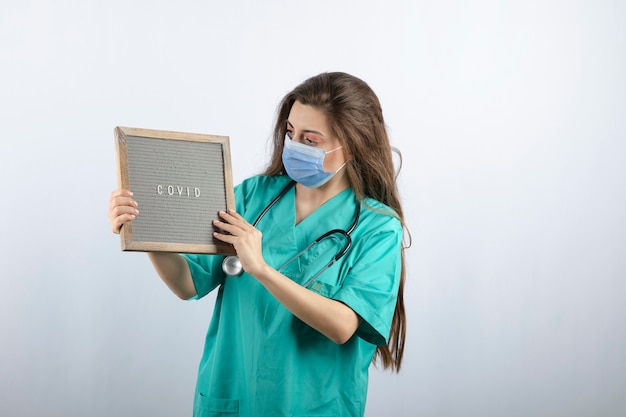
point(170, 189)
point(196, 191)
point(159, 189)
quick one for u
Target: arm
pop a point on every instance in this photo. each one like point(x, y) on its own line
point(332, 318)
point(174, 272)
point(171, 267)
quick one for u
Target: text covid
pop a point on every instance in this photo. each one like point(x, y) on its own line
point(179, 191)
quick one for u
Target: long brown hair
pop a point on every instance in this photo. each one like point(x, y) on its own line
point(355, 116)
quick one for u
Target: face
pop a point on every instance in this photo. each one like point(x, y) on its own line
point(309, 126)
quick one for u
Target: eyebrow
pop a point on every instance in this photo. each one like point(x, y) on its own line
point(315, 132)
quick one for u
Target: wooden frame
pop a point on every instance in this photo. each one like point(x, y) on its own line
point(180, 181)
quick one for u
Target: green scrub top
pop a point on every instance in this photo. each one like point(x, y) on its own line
point(261, 360)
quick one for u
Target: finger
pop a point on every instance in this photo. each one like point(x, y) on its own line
point(120, 215)
point(234, 214)
point(225, 238)
point(122, 201)
point(121, 193)
point(121, 197)
point(232, 217)
point(119, 221)
point(226, 227)
point(121, 210)
point(118, 209)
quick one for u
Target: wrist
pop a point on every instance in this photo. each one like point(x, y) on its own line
point(262, 272)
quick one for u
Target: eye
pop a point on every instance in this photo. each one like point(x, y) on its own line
point(309, 141)
point(290, 134)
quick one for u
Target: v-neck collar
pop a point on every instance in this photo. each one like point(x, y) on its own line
point(328, 209)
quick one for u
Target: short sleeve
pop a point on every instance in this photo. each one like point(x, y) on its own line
point(371, 286)
point(206, 273)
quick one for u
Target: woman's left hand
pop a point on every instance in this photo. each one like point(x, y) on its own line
point(245, 238)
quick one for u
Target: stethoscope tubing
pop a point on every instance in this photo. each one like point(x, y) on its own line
point(273, 202)
point(232, 267)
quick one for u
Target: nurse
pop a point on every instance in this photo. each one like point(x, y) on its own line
point(291, 335)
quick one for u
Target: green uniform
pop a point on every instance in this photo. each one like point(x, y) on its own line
point(259, 359)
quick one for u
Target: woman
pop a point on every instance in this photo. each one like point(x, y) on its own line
point(295, 333)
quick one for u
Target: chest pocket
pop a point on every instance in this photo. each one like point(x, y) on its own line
point(325, 289)
point(313, 264)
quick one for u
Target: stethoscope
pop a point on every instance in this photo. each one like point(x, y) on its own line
point(232, 266)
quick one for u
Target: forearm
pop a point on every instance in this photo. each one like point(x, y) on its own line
point(174, 271)
point(332, 318)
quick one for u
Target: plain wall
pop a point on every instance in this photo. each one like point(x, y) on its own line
point(511, 120)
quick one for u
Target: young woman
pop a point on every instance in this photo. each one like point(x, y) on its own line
point(319, 239)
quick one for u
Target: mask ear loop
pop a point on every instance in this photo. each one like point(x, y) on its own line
point(397, 168)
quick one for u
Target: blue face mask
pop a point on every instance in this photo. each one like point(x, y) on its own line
point(305, 164)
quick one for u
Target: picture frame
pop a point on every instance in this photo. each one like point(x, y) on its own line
point(180, 182)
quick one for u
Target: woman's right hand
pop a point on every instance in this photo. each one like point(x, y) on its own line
point(122, 209)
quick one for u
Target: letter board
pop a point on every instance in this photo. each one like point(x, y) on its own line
point(180, 182)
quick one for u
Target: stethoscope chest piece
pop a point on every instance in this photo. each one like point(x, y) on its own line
point(231, 265)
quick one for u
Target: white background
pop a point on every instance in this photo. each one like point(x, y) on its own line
point(511, 117)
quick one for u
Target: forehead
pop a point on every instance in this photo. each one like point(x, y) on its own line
point(305, 117)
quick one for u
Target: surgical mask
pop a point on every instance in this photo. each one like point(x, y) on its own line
point(305, 164)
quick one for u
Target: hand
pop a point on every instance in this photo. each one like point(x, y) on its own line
point(122, 209)
point(245, 238)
